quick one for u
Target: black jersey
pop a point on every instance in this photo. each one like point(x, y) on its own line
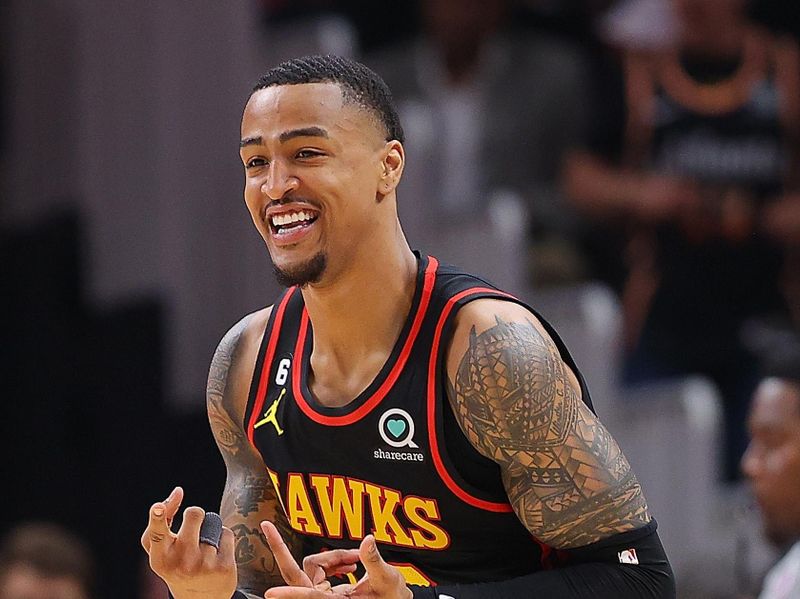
point(393, 461)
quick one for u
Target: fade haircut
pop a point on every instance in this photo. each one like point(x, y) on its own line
point(359, 84)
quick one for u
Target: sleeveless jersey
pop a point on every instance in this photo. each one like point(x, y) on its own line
point(392, 462)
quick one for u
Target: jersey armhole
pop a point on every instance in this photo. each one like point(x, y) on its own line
point(264, 364)
point(437, 400)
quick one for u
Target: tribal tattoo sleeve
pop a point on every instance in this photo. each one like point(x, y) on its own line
point(249, 496)
point(518, 404)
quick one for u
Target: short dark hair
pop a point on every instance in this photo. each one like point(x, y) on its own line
point(360, 85)
point(50, 550)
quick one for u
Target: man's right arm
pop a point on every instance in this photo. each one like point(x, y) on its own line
point(249, 496)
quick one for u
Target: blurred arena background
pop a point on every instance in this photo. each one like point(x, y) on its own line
point(126, 251)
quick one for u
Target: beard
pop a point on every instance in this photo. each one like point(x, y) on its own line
point(302, 274)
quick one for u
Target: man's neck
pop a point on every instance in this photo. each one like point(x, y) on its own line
point(357, 319)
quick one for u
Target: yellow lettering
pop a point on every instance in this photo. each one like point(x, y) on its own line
point(412, 575)
point(342, 501)
point(301, 516)
point(420, 512)
point(383, 503)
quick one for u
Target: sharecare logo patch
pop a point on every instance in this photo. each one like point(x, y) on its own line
point(396, 428)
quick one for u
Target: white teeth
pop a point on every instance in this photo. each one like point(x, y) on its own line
point(280, 220)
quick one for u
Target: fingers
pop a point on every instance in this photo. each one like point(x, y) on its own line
point(369, 554)
point(291, 572)
point(158, 537)
point(337, 562)
point(297, 593)
point(161, 515)
point(381, 578)
point(189, 533)
point(226, 546)
point(172, 504)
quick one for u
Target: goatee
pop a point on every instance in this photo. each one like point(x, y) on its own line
point(302, 274)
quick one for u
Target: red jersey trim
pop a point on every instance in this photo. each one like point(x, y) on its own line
point(391, 379)
point(448, 480)
point(261, 394)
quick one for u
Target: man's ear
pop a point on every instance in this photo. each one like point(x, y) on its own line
point(394, 160)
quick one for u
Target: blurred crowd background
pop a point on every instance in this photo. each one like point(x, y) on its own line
point(628, 167)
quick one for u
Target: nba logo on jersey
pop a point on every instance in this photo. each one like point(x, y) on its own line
point(628, 557)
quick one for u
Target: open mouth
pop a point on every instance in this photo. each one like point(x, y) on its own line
point(287, 223)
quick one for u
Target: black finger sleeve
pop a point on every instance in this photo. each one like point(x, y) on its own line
point(211, 529)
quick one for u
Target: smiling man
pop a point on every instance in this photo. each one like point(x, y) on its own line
point(391, 414)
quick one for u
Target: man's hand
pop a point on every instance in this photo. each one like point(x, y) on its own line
point(381, 581)
point(191, 569)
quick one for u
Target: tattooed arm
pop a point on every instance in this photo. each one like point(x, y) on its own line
point(520, 405)
point(249, 496)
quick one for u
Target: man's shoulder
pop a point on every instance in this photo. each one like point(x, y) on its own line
point(233, 363)
point(454, 282)
point(248, 330)
point(239, 346)
point(485, 312)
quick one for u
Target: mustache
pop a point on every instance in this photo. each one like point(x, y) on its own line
point(293, 200)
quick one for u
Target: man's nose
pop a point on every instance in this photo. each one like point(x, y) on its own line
point(279, 181)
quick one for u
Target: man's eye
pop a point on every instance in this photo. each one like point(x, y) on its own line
point(256, 162)
point(308, 154)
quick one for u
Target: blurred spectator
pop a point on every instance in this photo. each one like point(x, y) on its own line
point(44, 561)
point(489, 112)
point(644, 24)
point(690, 174)
point(772, 464)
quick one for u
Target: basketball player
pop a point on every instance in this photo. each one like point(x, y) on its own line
point(389, 402)
point(772, 464)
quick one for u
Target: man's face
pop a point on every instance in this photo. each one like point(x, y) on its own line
point(23, 582)
point(772, 460)
point(313, 166)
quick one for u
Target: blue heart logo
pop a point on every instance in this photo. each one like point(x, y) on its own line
point(397, 427)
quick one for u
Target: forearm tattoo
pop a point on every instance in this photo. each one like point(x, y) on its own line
point(566, 477)
point(254, 491)
point(249, 496)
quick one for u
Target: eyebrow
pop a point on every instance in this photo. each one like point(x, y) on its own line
point(304, 132)
point(286, 136)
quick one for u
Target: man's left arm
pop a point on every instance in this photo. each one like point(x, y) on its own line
point(520, 405)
